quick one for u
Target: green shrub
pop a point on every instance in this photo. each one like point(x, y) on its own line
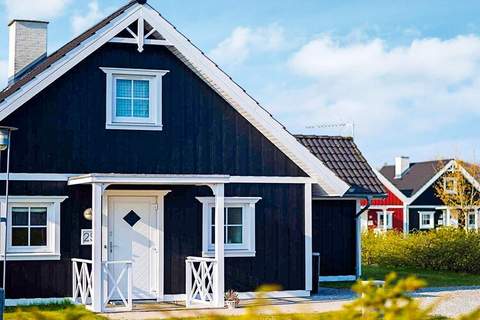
point(443, 249)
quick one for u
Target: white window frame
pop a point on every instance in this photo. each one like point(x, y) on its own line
point(475, 220)
point(454, 184)
point(388, 214)
point(49, 252)
point(247, 248)
point(154, 121)
point(431, 225)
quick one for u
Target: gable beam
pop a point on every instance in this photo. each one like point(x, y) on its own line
point(146, 41)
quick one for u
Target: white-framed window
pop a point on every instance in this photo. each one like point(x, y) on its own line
point(239, 226)
point(427, 219)
point(33, 227)
point(385, 220)
point(472, 220)
point(450, 185)
point(134, 99)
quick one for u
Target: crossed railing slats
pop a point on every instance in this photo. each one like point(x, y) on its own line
point(201, 271)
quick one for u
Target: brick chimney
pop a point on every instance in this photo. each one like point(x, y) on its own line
point(401, 165)
point(27, 46)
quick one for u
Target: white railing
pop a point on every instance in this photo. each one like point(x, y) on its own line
point(199, 281)
point(118, 281)
point(82, 281)
point(115, 291)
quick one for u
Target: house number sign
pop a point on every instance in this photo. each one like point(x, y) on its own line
point(86, 238)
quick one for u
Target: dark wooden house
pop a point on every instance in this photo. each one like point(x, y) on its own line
point(132, 146)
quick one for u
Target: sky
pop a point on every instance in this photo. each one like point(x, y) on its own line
point(402, 76)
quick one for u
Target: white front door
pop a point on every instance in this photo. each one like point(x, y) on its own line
point(133, 235)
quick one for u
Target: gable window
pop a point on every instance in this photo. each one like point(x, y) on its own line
point(427, 219)
point(239, 226)
point(34, 228)
point(134, 99)
point(385, 220)
point(450, 185)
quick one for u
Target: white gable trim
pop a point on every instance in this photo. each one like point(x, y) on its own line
point(391, 187)
point(207, 70)
point(431, 181)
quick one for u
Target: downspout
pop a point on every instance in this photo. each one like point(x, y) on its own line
point(358, 225)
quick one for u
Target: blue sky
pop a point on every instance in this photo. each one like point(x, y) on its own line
point(407, 73)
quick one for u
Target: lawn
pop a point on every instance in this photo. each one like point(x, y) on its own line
point(61, 311)
point(433, 278)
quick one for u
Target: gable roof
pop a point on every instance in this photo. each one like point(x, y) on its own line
point(75, 51)
point(342, 156)
point(417, 176)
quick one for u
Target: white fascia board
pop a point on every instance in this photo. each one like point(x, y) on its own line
point(430, 182)
point(71, 59)
point(207, 70)
point(470, 178)
point(390, 186)
point(148, 179)
point(246, 106)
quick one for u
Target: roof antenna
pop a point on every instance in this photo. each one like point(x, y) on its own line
point(332, 125)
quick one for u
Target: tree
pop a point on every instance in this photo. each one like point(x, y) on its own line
point(458, 189)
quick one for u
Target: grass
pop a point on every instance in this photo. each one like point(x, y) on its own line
point(58, 311)
point(433, 278)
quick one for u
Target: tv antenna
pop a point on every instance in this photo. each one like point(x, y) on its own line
point(342, 125)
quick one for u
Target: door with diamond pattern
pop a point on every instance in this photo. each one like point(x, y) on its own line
point(133, 235)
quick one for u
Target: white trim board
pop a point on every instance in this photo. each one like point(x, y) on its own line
point(202, 66)
point(391, 187)
point(336, 278)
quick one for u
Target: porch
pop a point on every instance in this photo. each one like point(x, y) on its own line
point(127, 264)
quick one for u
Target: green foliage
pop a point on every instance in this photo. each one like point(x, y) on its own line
point(51, 312)
point(443, 249)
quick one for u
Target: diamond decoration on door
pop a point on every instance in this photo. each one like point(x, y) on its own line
point(131, 218)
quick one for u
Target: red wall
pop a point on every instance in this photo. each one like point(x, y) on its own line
point(392, 200)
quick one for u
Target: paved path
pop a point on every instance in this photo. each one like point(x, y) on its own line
point(450, 302)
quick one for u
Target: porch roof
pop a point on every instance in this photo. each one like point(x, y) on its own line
point(120, 178)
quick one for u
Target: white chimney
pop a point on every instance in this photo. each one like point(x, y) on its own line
point(401, 165)
point(27, 46)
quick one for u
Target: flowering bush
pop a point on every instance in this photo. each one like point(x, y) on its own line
point(443, 249)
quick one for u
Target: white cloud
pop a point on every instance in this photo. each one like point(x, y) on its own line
point(35, 9)
point(244, 40)
point(398, 95)
point(80, 22)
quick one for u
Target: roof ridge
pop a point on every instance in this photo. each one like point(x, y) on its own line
point(322, 136)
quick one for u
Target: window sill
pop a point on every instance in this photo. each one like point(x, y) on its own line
point(31, 256)
point(230, 254)
point(129, 126)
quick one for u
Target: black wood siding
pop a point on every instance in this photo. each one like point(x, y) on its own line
point(334, 236)
point(279, 237)
point(414, 218)
point(428, 198)
point(62, 129)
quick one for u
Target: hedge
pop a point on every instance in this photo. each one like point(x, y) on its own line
point(445, 249)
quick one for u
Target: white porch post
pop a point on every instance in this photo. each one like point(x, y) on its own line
point(308, 237)
point(385, 225)
point(219, 271)
point(97, 301)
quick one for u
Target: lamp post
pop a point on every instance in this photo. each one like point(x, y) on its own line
point(5, 137)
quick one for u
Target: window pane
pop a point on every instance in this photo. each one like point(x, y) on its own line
point(124, 88)
point(38, 236)
point(38, 216)
point(141, 89)
point(234, 235)
point(123, 108)
point(234, 215)
point(140, 108)
point(19, 216)
point(19, 236)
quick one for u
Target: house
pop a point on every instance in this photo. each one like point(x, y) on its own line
point(132, 146)
point(412, 203)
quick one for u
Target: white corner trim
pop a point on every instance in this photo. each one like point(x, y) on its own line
point(337, 278)
point(308, 236)
point(35, 301)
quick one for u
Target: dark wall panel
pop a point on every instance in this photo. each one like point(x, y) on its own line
point(334, 236)
point(62, 129)
point(414, 217)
